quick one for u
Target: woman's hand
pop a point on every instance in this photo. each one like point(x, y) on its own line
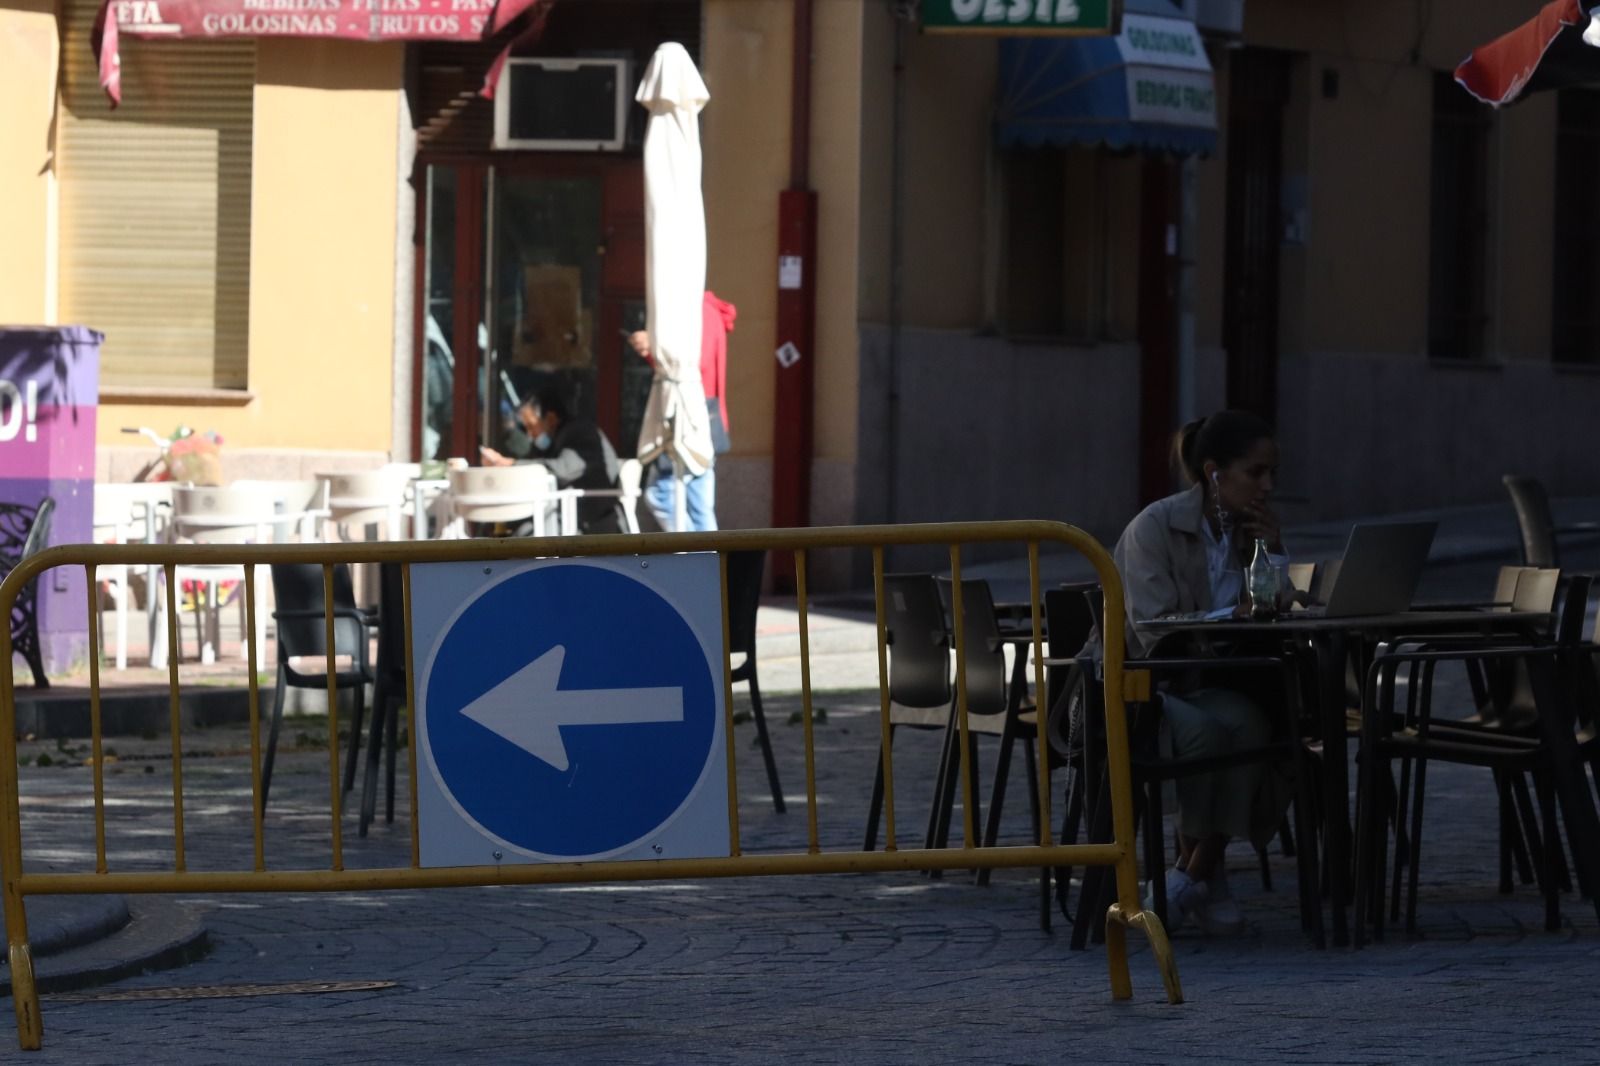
point(1257, 520)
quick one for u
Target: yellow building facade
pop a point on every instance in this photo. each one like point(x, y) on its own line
point(974, 357)
point(325, 373)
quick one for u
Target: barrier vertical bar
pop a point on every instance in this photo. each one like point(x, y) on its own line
point(333, 716)
point(257, 815)
point(1041, 707)
point(1117, 743)
point(24, 993)
point(174, 649)
point(734, 843)
point(957, 614)
point(411, 714)
point(884, 728)
point(1128, 909)
point(805, 703)
point(94, 717)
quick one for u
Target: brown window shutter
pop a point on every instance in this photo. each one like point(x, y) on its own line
point(450, 115)
point(155, 207)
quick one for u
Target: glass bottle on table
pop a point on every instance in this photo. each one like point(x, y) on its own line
point(1261, 580)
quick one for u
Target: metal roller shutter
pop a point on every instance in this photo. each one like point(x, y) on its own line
point(155, 207)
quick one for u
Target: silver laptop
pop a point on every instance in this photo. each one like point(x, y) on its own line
point(1380, 571)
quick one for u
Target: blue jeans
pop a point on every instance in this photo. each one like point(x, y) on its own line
point(661, 496)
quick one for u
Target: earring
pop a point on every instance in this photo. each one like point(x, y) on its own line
point(1223, 517)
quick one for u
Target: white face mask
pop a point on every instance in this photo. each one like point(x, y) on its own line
point(542, 441)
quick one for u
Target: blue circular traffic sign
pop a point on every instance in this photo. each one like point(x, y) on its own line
point(570, 711)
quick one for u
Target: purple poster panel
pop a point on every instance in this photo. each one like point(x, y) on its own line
point(49, 387)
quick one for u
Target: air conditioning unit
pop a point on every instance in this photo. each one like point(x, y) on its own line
point(563, 105)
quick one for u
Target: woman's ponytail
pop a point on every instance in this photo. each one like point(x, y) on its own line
point(1184, 452)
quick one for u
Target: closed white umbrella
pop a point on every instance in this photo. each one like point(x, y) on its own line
point(675, 420)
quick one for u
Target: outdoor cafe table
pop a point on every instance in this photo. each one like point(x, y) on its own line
point(1331, 640)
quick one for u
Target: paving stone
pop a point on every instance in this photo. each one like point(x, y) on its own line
point(890, 968)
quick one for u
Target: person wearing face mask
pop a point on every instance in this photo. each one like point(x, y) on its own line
point(577, 453)
point(1186, 555)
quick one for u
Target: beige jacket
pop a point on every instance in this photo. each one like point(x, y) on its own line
point(1162, 559)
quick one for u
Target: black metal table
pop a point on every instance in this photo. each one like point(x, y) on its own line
point(1330, 641)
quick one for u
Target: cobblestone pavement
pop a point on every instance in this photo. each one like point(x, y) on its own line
point(840, 968)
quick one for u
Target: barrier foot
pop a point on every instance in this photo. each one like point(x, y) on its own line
point(25, 997)
point(1117, 924)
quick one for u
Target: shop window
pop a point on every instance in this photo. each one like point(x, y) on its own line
point(155, 207)
point(1063, 275)
point(1575, 277)
point(1458, 245)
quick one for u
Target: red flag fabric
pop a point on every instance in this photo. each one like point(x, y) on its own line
point(531, 31)
point(360, 20)
point(1545, 52)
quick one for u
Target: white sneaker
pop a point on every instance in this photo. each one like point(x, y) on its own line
point(1185, 897)
point(1221, 915)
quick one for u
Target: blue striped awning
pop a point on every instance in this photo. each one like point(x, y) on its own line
point(1149, 88)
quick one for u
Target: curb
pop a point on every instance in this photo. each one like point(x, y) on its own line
point(58, 924)
point(160, 934)
point(65, 713)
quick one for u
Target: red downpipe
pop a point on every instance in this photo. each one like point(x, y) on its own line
point(796, 312)
point(800, 99)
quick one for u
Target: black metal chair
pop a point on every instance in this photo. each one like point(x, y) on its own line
point(25, 531)
point(1503, 704)
point(920, 692)
point(1068, 623)
point(1535, 522)
point(991, 711)
point(1415, 735)
point(388, 693)
point(745, 569)
point(301, 621)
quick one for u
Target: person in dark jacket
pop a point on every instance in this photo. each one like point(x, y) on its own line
point(576, 452)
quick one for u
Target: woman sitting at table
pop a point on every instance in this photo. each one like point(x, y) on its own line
point(1185, 555)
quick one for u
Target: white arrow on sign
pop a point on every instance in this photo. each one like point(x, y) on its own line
point(529, 708)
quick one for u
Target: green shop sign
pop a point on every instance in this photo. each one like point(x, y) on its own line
point(1021, 16)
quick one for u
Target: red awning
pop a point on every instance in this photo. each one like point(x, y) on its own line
point(1550, 51)
point(358, 20)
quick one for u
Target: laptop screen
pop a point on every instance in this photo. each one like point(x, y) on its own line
point(1381, 568)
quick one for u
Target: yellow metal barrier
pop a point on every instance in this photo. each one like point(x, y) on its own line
point(16, 883)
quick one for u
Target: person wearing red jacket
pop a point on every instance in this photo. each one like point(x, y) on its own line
point(660, 494)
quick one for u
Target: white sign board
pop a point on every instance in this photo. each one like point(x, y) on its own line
point(1169, 76)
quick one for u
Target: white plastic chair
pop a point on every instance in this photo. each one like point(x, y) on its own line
point(128, 513)
point(630, 482)
point(204, 515)
point(368, 498)
point(401, 472)
point(301, 507)
point(501, 494)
